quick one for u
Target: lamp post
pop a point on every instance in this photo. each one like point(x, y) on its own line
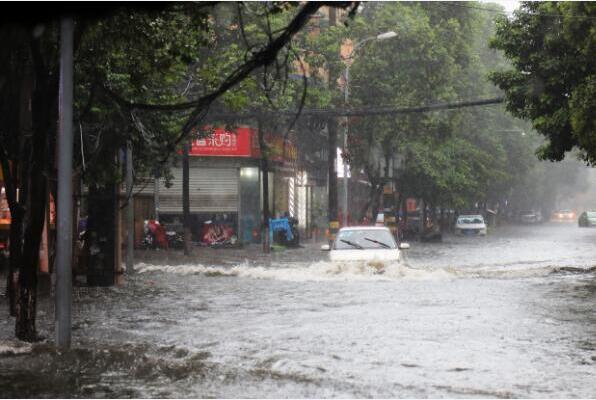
point(382, 36)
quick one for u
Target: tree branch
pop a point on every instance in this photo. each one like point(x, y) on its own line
point(261, 58)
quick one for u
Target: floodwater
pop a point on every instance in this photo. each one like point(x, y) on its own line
point(509, 315)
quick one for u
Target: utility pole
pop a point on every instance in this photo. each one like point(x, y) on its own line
point(348, 61)
point(346, 171)
point(64, 223)
point(265, 194)
point(130, 213)
point(332, 148)
point(186, 196)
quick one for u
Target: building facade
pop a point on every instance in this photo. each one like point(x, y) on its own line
point(226, 186)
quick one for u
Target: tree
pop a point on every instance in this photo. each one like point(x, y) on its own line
point(452, 159)
point(422, 65)
point(30, 61)
point(124, 70)
point(551, 82)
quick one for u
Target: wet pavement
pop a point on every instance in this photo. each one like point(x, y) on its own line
point(508, 315)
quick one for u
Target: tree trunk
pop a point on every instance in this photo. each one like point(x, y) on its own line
point(100, 238)
point(28, 266)
point(130, 213)
point(422, 216)
point(433, 214)
point(364, 209)
point(25, 329)
point(34, 190)
point(404, 208)
point(15, 249)
point(398, 201)
point(403, 212)
point(15, 176)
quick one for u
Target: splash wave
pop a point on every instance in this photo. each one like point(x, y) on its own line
point(14, 347)
point(364, 271)
point(300, 272)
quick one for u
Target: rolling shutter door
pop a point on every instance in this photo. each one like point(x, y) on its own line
point(211, 190)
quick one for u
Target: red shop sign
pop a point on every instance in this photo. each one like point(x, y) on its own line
point(224, 143)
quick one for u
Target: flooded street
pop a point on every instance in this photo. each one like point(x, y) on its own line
point(195, 128)
point(508, 315)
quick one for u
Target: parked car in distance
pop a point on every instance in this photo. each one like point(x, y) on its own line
point(364, 243)
point(470, 225)
point(587, 219)
point(530, 217)
point(563, 215)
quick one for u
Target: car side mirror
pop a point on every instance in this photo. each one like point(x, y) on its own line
point(404, 246)
point(325, 247)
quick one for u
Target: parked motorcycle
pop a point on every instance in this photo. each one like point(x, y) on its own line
point(285, 231)
point(155, 236)
point(224, 243)
point(175, 240)
point(218, 235)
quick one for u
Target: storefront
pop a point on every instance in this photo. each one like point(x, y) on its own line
point(225, 185)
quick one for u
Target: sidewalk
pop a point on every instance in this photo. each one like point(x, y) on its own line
point(217, 256)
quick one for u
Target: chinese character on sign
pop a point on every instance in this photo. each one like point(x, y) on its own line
point(221, 142)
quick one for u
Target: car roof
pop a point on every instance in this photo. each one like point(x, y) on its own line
point(470, 216)
point(364, 228)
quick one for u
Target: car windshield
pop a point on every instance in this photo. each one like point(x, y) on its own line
point(364, 239)
point(470, 219)
point(591, 214)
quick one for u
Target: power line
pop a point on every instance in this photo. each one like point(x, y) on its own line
point(360, 112)
point(420, 109)
point(539, 14)
point(471, 7)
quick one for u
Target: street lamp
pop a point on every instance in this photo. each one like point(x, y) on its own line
point(381, 36)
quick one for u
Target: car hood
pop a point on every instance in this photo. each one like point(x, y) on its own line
point(470, 226)
point(365, 255)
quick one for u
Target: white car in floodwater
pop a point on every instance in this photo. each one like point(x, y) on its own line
point(364, 243)
point(470, 225)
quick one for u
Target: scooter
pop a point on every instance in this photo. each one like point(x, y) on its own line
point(175, 240)
point(155, 235)
point(284, 231)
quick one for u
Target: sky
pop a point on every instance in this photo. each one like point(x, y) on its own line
point(509, 5)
